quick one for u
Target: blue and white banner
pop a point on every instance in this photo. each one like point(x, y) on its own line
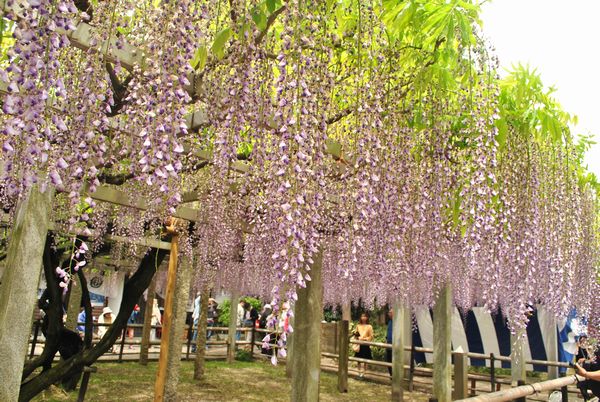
point(481, 332)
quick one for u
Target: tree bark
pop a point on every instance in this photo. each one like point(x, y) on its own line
point(19, 286)
point(181, 298)
point(231, 338)
point(74, 304)
point(306, 359)
point(132, 291)
point(442, 347)
point(398, 342)
point(201, 336)
point(147, 323)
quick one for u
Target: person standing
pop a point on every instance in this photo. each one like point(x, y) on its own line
point(389, 338)
point(364, 332)
point(241, 313)
point(81, 321)
point(195, 318)
point(132, 320)
point(212, 317)
point(156, 320)
point(583, 352)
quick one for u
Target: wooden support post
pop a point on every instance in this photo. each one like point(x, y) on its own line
point(252, 340)
point(492, 372)
point(461, 376)
point(231, 335)
point(442, 347)
point(201, 336)
point(19, 287)
point(87, 371)
point(343, 330)
point(161, 375)
point(411, 370)
point(123, 336)
point(36, 332)
point(177, 329)
point(147, 323)
point(306, 360)
point(517, 358)
point(398, 340)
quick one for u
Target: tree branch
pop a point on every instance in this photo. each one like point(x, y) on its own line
point(339, 116)
point(270, 22)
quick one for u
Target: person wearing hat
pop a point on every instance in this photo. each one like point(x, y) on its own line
point(107, 319)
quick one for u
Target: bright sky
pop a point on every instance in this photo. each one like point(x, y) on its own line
point(560, 39)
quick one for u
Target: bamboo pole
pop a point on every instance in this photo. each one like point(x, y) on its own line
point(161, 375)
point(525, 390)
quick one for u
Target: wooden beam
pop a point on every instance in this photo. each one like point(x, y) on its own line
point(119, 197)
point(144, 241)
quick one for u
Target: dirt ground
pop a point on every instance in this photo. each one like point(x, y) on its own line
point(240, 381)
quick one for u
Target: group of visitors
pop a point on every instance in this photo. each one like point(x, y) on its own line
point(212, 315)
point(588, 366)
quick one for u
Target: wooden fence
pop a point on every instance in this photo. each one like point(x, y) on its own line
point(465, 383)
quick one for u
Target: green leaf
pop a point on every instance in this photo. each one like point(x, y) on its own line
point(200, 56)
point(259, 18)
point(502, 127)
point(218, 47)
point(273, 5)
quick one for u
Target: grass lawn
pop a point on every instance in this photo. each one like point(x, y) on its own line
point(241, 381)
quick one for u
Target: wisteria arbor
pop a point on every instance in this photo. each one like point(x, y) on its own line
point(355, 142)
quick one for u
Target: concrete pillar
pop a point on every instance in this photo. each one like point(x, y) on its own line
point(306, 360)
point(442, 346)
point(181, 298)
point(517, 358)
point(398, 342)
point(147, 323)
point(19, 286)
point(235, 299)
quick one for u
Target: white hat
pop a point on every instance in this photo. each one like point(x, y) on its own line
point(268, 306)
point(106, 310)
